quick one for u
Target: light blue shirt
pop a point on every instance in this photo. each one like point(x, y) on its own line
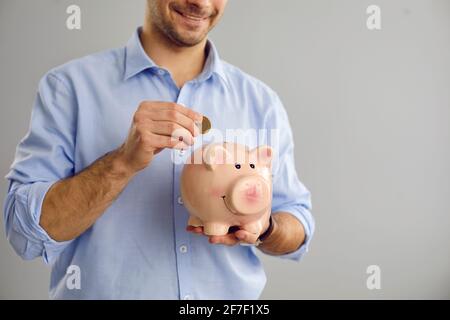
point(139, 247)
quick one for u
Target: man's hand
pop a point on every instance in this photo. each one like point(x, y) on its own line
point(72, 205)
point(155, 126)
point(234, 236)
point(287, 235)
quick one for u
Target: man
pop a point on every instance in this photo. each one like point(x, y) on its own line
point(93, 184)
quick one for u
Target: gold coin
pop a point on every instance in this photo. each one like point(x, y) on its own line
point(206, 125)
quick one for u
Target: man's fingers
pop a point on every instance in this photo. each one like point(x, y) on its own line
point(195, 116)
point(160, 141)
point(176, 117)
point(170, 111)
point(161, 105)
point(229, 240)
point(172, 129)
point(246, 237)
point(197, 230)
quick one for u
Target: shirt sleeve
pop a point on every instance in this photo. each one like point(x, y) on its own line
point(44, 156)
point(289, 194)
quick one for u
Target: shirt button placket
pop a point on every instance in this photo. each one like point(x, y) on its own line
point(182, 236)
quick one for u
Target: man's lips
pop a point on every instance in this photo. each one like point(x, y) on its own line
point(190, 16)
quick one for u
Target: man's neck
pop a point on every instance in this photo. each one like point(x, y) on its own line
point(183, 63)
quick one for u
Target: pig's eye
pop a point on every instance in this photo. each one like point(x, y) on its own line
point(252, 166)
point(237, 166)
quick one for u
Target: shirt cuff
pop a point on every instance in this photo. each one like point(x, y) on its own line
point(29, 199)
point(304, 216)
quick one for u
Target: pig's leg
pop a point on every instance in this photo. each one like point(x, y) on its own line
point(195, 222)
point(215, 229)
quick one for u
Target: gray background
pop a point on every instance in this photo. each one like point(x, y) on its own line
point(370, 112)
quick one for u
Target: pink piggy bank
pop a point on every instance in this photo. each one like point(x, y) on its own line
point(226, 184)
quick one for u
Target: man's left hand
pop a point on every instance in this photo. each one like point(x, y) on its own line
point(232, 238)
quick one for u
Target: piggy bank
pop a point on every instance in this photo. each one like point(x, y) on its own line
point(227, 184)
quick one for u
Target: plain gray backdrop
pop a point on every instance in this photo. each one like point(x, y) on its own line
point(370, 112)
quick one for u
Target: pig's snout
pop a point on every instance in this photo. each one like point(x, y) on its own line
point(249, 195)
point(253, 192)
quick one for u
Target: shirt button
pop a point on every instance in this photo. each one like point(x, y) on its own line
point(183, 249)
point(181, 152)
point(180, 200)
point(187, 297)
point(161, 72)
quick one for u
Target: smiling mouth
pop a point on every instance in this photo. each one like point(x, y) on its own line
point(191, 16)
point(226, 205)
point(231, 210)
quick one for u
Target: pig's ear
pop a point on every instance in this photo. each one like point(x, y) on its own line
point(214, 155)
point(262, 155)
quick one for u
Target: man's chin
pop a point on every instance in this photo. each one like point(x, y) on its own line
point(187, 40)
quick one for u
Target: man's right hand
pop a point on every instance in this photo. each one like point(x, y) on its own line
point(72, 205)
point(157, 125)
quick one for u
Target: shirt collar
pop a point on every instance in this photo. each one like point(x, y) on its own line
point(137, 60)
